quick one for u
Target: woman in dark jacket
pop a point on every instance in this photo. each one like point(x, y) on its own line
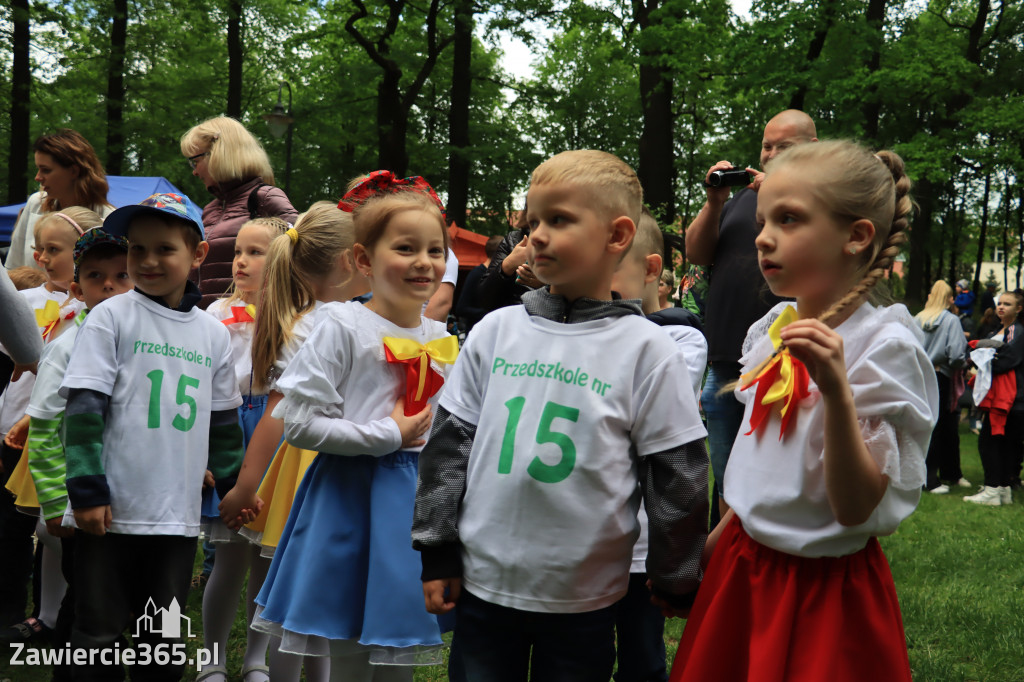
point(235, 169)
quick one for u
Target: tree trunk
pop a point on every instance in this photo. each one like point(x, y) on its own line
point(1020, 233)
point(919, 237)
point(115, 88)
point(976, 285)
point(656, 168)
point(21, 79)
point(871, 109)
point(234, 107)
point(458, 117)
point(1006, 231)
point(391, 124)
point(828, 10)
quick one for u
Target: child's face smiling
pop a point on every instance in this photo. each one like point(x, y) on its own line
point(802, 250)
point(55, 254)
point(251, 247)
point(405, 266)
point(568, 240)
point(159, 259)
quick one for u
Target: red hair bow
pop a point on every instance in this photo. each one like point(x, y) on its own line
point(384, 182)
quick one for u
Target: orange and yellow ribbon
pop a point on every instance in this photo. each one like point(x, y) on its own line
point(782, 381)
point(421, 381)
point(49, 318)
point(241, 313)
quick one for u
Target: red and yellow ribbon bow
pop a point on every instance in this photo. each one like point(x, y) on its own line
point(241, 313)
point(49, 318)
point(421, 381)
point(783, 380)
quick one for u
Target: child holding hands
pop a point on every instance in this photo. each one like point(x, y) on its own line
point(840, 398)
point(151, 405)
point(343, 396)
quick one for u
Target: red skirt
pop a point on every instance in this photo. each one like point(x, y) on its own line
point(766, 616)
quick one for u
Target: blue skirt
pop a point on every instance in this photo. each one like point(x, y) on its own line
point(345, 569)
point(249, 414)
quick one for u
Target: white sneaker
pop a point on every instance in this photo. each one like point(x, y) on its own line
point(1005, 494)
point(987, 495)
point(964, 483)
point(940, 489)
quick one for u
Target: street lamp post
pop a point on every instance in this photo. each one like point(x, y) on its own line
point(280, 122)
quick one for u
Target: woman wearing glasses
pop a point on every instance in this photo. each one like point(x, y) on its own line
point(236, 170)
point(69, 174)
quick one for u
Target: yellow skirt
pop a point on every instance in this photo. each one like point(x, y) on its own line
point(22, 486)
point(277, 492)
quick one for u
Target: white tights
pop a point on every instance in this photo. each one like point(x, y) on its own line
point(51, 580)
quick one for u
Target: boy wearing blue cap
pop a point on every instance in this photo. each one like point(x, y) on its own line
point(151, 397)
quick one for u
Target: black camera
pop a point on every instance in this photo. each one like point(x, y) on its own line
point(732, 177)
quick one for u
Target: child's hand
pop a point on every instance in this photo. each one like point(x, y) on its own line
point(667, 610)
point(250, 514)
point(94, 520)
point(413, 427)
point(54, 528)
point(208, 481)
point(440, 595)
point(234, 504)
point(17, 434)
point(821, 350)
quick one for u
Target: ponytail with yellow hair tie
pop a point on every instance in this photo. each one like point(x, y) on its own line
point(294, 234)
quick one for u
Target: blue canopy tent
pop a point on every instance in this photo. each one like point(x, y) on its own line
point(124, 190)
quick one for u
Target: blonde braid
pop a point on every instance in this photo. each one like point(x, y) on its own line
point(886, 255)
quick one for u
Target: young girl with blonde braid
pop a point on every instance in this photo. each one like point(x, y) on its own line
point(54, 236)
point(840, 399)
point(234, 554)
point(311, 264)
point(345, 580)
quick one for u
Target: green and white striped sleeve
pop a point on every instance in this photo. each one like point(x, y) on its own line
point(46, 463)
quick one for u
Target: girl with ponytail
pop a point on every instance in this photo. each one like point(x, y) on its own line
point(307, 266)
point(840, 402)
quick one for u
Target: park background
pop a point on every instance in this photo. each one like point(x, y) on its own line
point(433, 87)
point(426, 87)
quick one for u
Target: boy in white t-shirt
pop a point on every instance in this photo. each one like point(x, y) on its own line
point(526, 509)
point(151, 405)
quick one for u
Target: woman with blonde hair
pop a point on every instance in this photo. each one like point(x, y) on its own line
point(69, 174)
point(946, 347)
point(235, 169)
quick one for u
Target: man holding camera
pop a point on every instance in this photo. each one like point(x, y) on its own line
point(722, 236)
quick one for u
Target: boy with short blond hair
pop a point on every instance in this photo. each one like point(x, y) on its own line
point(151, 398)
point(526, 509)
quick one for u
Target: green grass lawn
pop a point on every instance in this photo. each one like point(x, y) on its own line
point(959, 571)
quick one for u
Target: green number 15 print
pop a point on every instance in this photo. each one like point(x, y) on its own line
point(545, 473)
point(156, 381)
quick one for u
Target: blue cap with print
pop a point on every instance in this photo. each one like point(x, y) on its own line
point(164, 204)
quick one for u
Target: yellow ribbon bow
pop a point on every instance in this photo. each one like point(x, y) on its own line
point(416, 357)
point(48, 318)
point(783, 379)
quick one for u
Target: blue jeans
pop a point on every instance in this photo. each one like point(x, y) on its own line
point(499, 644)
point(724, 416)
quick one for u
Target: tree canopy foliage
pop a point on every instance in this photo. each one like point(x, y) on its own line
point(671, 86)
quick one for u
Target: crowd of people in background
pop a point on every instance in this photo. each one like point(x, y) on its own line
point(286, 387)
